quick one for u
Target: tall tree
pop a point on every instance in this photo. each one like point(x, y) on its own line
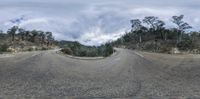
point(49, 37)
point(136, 25)
point(42, 37)
point(22, 33)
point(156, 26)
point(12, 32)
point(160, 29)
point(34, 34)
point(27, 35)
point(151, 21)
point(182, 26)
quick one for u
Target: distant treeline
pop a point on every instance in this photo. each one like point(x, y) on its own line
point(16, 33)
point(77, 49)
point(152, 35)
point(18, 38)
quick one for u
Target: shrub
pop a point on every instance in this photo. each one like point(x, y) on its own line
point(83, 53)
point(108, 50)
point(30, 49)
point(92, 53)
point(89, 51)
point(44, 48)
point(67, 51)
point(3, 48)
point(185, 45)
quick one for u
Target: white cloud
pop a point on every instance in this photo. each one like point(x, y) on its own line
point(34, 21)
point(96, 37)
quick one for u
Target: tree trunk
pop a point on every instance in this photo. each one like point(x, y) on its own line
point(165, 36)
point(13, 37)
point(181, 36)
point(140, 39)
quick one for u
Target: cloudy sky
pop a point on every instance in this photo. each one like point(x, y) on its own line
point(91, 22)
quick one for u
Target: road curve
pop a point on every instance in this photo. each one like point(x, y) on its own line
point(127, 74)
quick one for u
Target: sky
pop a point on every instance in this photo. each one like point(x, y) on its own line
point(92, 22)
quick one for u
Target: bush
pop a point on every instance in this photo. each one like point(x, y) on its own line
point(67, 51)
point(3, 48)
point(185, 45)
point(44, 48)
point(108, 50)
point(82, 53)
point(30, 49)
point(88, 51)
point(92, 53)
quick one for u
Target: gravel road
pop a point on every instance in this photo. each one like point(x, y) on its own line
point(127, 74)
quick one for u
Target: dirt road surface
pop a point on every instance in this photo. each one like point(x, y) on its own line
point(126, 74)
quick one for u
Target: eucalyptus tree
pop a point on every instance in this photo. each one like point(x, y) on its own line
point(34, 34)
point(27, 36)
point(22, 33)
point(136, 25)
point(182, 26)
point(156, 26)
point(49, 37)
point(12, 32)
point(160, 29)
point(42, 37)
point(151, 21)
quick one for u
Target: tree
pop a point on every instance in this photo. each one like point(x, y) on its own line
point(182, 26)
point(108, 49)
point(151, 20)
point(136, 24)
point(50, 38)
point(1, 34)
point(3, 47)
point(42, 37)
point(27, 35)
point(34, 34)
point(137, 27)
point(156, 26)
point(12, 32)
point(160, 29)
point(22, 33)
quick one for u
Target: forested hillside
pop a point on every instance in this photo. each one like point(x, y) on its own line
point(19, 39)
point(151, 34)
point(77, 49)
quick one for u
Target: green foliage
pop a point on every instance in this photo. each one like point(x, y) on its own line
point(44, 48)
point(30, 49)
point(34, 36)
point(108, 49)
point(67, 51)
point(17, 37)
point(3, 47)
point(185, 45)
point(152, 35)
point(77, 49)
point(12, 32)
